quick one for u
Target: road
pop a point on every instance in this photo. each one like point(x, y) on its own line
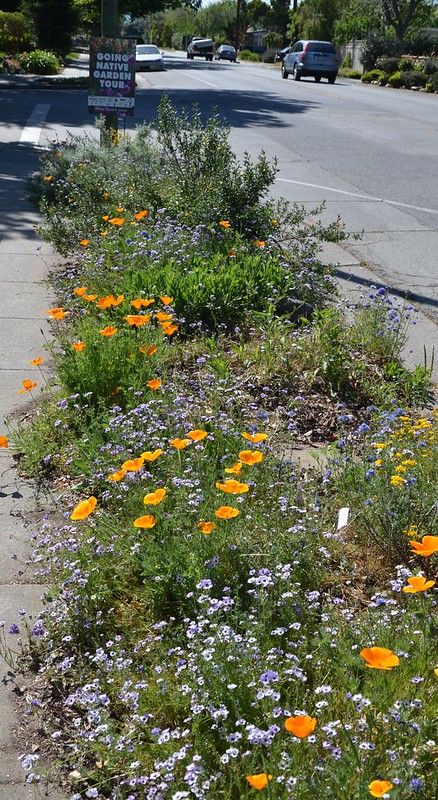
point(370, 153)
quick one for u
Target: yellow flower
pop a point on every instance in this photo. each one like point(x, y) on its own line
point(250, 457)
point(259, 781)
point(180, 444)
point(205, 527)
point(197, 435)
point(232, 487)
point(255, 438)
point(154, 498)
point(417, 583)
point(379, 788)
point(151, 455)
point(226, 512)
point(379, 445)
point(400, 469)
point(147, 521)
point(396, 480)
point(84, 509)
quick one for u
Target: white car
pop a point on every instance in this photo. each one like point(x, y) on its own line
point(148, 57)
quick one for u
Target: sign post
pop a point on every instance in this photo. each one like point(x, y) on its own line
point(112, 78)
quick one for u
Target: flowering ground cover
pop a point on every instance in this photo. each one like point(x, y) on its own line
point(216, 627)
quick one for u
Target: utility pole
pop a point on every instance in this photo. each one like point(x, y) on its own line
point(110, 27)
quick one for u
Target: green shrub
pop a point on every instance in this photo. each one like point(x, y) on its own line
point(387, 64)
point(395, 80)
point(373, 75)
point(432, 85)
point(376, 46)
point(413, 78)
point(40, 62)
point(15, 33)
point(347, 72)
point(430, 67)
point(246, 55)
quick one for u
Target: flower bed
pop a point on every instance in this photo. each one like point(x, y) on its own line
point(213, 630)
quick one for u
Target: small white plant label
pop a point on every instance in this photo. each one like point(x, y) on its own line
point(343, 518)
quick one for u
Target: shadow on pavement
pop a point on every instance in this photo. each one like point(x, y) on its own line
point(405, 294)
point(15, 165)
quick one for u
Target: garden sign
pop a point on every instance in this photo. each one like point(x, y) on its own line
point(112, 76)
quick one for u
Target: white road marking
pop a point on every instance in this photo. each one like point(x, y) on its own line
point(32, 130)
point(360, 196)
point(201, 80)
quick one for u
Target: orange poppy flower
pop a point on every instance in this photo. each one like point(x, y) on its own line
point(4, 441)
point(89, 297)
point(36, 362)
point(148, 349)
point(137, 320)
point(133, 464)
point(259, 243)
point(197, 435)
point(255, 438)
point(80, 291)
point(117, 221)
point(232, 487)
point(168, 328)
point(205, 527)
point(154, 498)
point(84, 242)
point(163, 316)
point(166, 300)
point(57, 313)
point(300, 726)
point(48, 178)
point(180, 444)
point(27, 385)
point(105, 217)
point(118, 475)
point(108, 301)
point(147, 521)
point(151, 455)
point(379, 658)
point(379, 788)
point(154, 384)
point(259, 781)
point(104, 233)
point(417, 583)
point(427, 547)
point(109, 331)
point(84, 508)
point(251, 457)
point(226, 512)
point(224, 223)
point(141, 303)
point(235, 469)
point(79, 346)
point(141, 215)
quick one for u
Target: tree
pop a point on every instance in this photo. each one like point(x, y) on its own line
point(315, 19)
point(54, 22)
point(402, 14)
point(279, 16)
point(89, 10)
point(357, 19)
point(218, 20)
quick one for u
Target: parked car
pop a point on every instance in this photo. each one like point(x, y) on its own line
point(314, 58)
point(148, 57)
point(199, 46)
point(280, 54)
point(226, 52)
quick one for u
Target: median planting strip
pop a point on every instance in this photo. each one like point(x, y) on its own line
point(215, 628)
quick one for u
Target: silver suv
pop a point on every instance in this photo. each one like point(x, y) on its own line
point(317, 59)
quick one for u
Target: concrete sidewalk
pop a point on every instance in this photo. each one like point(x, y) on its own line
point(24, 262)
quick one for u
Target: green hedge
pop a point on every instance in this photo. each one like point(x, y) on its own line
point(15, 33)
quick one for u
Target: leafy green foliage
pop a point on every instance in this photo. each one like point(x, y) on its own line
point(395, 80)
point(40, 62)
point(54, 23)
point(413, 78)
point(15, 32)
point(247, 55)
point(372, 75)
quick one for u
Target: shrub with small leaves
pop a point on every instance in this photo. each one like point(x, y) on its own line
point(373, 75)
point(40, 62)
point(395, 80)
point(413, 78)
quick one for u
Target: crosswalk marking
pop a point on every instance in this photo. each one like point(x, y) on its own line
point(32, 130)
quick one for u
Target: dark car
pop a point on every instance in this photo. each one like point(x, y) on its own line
point(313, 58)
point(226, 52)
point(281, 54)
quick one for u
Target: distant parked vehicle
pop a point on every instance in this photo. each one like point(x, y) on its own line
point(281, 54)
point(311, 57)
point(200, 46)
point(148, 57)
point(226, 52)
